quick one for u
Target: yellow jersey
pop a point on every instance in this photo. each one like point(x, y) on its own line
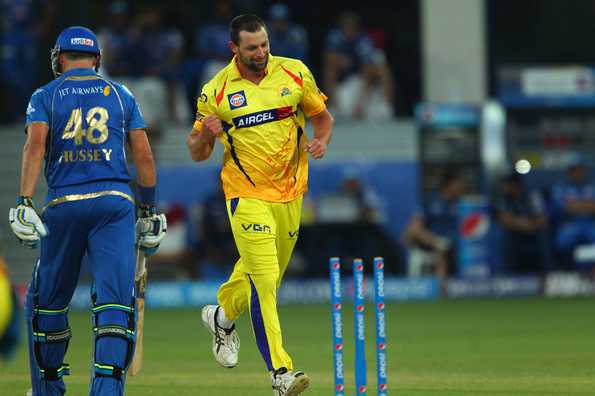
point(264, 139)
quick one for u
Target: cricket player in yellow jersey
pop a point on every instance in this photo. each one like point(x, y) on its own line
point(10, 315)
point(257, 106)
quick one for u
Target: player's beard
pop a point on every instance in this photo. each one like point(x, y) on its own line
point(252, 65)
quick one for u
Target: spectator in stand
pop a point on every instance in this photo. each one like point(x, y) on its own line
point(356, 75)
point(23, 24)
point(432, 233)
point(286, 38)
point(521, 214)
point(115, 42)
point(153, 53)
point(352, 202)
point(212, 40)
point(574, 208)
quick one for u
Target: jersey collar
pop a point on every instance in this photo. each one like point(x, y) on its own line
point(234, 72)
point(79, 71)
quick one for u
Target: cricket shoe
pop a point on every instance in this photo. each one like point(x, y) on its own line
point(289, 383)
point(226, 342)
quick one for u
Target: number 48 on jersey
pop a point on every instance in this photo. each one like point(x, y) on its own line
point(97, 131)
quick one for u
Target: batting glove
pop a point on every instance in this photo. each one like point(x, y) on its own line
point(26, 223)
point(150, 228)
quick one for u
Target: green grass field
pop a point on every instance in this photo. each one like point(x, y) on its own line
point(481, 347)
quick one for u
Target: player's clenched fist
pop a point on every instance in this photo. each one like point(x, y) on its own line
point(316, 148)
point(212, 125)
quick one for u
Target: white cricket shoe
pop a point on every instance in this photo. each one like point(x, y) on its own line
point(226, 342)
point(289, 383)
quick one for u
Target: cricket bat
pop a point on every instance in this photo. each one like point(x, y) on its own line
point(140, 283)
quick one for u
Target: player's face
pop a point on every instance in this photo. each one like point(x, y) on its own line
point(253, 50)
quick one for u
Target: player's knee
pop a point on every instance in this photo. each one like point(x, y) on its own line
point(114, 331)
point(264, 284)
point(51, 334)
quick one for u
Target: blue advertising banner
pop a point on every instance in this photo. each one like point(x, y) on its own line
point(447, 115)
point(546, 86)
point(315, 291)
point(512, 286)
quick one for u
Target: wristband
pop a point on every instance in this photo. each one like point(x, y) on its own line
point(146, 195)
point(23, 200)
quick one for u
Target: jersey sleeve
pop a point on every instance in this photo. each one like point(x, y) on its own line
point(204, 106)
point(37, 111)
point(313, 100)
point(134, 116)
point(137, 121)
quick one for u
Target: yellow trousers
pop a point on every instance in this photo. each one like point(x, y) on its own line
point(265, 234)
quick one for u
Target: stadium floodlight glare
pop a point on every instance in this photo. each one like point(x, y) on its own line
point(522, 166)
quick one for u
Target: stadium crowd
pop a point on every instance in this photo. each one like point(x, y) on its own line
point(534, 231)
point(164, 61)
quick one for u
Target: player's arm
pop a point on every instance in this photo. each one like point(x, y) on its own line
point(151, 227)
point(33, 154)
point(201, 141)
point(513, 222)
point(580, 207)
point(313, 104)
point(322, 124)
point(143, 158)
point(24, 220)
point(207, 127)
point(417, 233)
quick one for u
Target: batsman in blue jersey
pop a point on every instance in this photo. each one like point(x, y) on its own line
point(80, 124)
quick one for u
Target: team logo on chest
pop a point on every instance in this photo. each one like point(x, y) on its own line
point(284, 91)
point(237, 100)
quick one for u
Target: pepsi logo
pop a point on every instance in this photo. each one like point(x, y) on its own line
point(360, 267)
point(336, 266)
point(362, 389)
point(380, 265)
point(475, 226)
point(337, 306)
point(360, 308)
point(382, 386)
point(340, 387)
point(380, 306)
point(382, 346)
point(339, 347)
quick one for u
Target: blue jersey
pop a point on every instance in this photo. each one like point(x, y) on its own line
point(565, 193)
point(89, 119)
point(441, 216)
